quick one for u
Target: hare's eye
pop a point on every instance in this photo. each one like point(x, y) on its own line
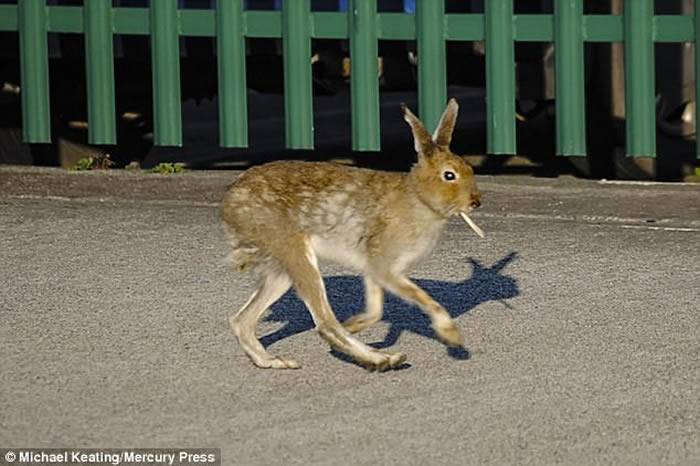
point(449, 176)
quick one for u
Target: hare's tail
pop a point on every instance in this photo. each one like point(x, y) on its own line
point(243, 257)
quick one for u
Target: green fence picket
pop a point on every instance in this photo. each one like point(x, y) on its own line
point(364, 79)
point(640, 107)
point(165, 58)
point(432, 61)
point(230, 50)
point(570, 84)
point(34, 62)
point(298, 109)
point(99, 61)
point(500, 77)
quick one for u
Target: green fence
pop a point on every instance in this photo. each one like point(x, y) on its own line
point(363, 26)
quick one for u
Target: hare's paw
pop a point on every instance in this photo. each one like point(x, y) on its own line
point(360, 322)
point(395, 358)
point(448, 333)
point(384, 360)
point(276, 362)
point(372, 359)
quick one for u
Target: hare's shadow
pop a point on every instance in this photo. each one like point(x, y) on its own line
point(346, 295)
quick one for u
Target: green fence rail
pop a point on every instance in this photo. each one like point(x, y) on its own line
point(568, 28)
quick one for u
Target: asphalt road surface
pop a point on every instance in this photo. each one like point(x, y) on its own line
point(580, 311)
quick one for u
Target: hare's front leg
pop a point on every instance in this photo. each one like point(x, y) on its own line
point(272, 286)
point(374, 308)
point(301, 265)
point(442, 323)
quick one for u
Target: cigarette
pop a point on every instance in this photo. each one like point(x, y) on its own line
point(473, 225)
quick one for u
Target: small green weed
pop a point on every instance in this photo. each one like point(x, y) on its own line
point(693, 177)
point(169, 168)
point(97, 162)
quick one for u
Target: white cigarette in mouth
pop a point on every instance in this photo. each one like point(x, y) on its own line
point(473, 225)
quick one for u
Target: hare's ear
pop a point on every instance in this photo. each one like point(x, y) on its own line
point(421, 137)
point(443, 133)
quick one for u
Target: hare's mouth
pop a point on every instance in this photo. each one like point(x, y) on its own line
point(472, 225)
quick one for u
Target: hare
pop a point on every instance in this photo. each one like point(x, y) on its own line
point(282, 217)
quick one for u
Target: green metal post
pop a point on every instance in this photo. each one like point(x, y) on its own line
point(230, 49)
point(432, 61)
point(99, 58)
point(298, 110)
point(571, 102)
point(500, 77)
point(34, 57)
point(364, 81)
point(640, 107)
point(165, 58)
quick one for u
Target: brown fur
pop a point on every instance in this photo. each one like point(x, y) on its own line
point(281, 217)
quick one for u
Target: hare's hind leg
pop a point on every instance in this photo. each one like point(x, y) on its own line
point(272, 286)
point(302, 266)
point(374, 308)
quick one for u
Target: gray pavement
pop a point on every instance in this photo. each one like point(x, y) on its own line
point(579, 309)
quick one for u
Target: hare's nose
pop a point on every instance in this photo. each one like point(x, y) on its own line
point(476, 202)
